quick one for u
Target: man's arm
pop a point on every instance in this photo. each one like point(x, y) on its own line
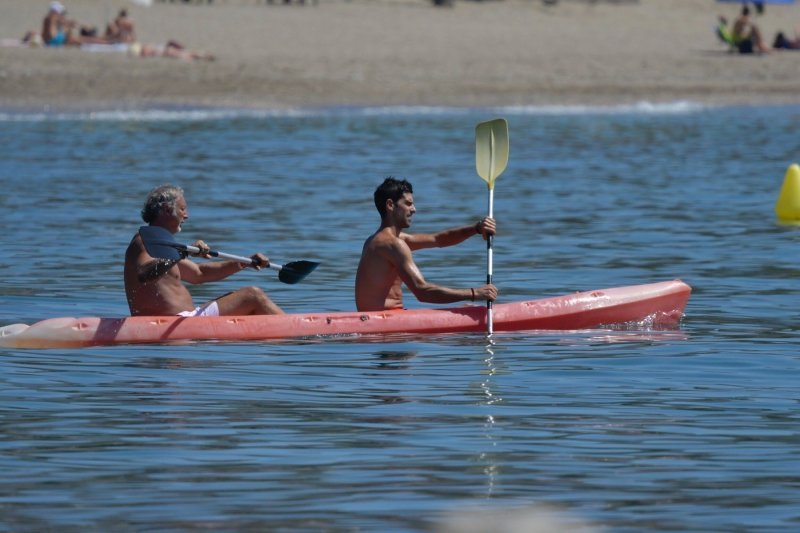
point(400, 256)
point(449, 237)
point(196, 273)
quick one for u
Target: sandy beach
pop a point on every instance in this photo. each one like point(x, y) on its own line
point(402, 52)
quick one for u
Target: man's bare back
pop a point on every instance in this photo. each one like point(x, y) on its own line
point(378, 284)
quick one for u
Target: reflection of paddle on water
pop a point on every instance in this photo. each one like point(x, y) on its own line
point(490, 467)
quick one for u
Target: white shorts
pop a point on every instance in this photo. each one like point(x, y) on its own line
point(209, 309)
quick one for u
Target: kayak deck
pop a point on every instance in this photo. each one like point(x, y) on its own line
point(663, 303)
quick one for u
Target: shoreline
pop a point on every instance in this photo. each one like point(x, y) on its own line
point(204, 113)
point(190, 112)
point(403, 53)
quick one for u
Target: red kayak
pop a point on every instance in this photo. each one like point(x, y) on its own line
point(657, 303)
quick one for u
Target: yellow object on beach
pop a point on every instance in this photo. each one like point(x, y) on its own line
point(788, 205)
point(135, 49)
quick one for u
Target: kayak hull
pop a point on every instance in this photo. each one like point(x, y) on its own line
point(658, 303)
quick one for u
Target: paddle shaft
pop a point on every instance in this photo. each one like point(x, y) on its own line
point(240, 258)
point(489, 265)
point(490, 239)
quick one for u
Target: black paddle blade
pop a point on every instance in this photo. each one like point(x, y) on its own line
point(295, 271)
point(160, 243)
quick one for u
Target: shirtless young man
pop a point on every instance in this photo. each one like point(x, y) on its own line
point(154, 286)
point(386, 261)
point(121, 29)
point(747, 35)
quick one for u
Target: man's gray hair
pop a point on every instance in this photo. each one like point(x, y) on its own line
point(163, 197)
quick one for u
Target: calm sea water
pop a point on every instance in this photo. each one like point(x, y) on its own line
point(694, 429)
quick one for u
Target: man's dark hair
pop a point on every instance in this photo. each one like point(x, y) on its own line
point(391, 189)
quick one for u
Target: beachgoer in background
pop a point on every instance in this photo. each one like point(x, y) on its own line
point(784, 43)
point(386, 260)
point(172, 49)
point(724, 33)
point(121, 29)
point(32, 38)
point(57, 29)
point(746, 35)
point(154, 286)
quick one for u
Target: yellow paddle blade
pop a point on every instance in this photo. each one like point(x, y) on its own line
point(491, 149)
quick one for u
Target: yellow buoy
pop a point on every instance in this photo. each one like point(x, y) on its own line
point(788, 205)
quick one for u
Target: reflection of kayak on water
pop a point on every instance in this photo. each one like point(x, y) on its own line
point(660, 304)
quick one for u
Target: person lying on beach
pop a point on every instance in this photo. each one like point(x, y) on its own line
point(172, 49)
point(386, 261)
point(58, 30)
point(154, 287)
point(746, 35)
point(784, 43)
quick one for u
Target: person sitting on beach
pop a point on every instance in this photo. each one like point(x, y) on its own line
point(57, 29)
point(154, 286)
point(121, 29)
point(746, 35)
point(386, 261)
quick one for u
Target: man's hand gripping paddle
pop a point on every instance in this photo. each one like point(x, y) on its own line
point(160, 243)
point(491, 158)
